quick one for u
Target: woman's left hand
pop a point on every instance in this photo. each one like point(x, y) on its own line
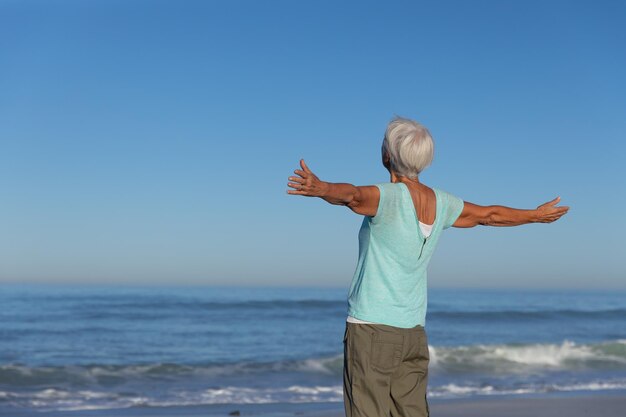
point(306, 183)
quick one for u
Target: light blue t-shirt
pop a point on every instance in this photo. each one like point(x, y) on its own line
point(389, 284)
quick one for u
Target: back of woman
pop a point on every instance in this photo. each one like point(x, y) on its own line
point(389, 284)
point(385, 344)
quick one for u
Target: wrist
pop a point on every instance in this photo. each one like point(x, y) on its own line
point(324, 189)
point(534, 216)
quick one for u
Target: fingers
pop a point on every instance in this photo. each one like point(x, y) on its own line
point(301, 184)
point(554, 214)
point(554, 202)
point(551, 206)
point(297, 182)
point(551, 202)
point(556, 211)
point(299, 189)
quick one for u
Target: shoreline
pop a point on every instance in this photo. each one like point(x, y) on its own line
point(606, 404)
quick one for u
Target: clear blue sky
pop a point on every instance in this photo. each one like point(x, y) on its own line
point(151, 141)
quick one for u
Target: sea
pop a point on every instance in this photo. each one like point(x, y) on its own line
point(89, 347)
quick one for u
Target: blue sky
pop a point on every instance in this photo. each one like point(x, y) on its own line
point(150, 142)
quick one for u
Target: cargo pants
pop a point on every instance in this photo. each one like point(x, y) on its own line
point(385, 371)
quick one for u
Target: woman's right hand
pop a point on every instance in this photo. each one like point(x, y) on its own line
point(306, 183)
point(547, 212)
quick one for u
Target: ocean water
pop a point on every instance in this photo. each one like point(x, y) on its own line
point(101, 347)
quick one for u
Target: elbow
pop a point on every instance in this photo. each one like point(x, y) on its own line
point(352, 204)
point(489, 217)
point(353, 201)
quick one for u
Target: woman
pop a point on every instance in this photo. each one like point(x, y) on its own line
point(385, 345)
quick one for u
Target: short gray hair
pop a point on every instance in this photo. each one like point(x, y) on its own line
point(409, 146)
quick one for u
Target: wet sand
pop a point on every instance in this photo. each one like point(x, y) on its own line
point(596, 406)
point(604, 405)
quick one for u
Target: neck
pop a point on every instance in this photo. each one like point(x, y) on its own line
point(401, 178)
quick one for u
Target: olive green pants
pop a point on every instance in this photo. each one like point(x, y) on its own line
point(385, 371)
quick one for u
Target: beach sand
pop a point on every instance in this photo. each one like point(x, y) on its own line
point(597, 406)
point(560, 406)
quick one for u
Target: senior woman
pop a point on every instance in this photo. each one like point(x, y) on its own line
point(385, 344)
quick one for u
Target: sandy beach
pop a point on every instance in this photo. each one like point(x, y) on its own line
point(605, 406)
point(598, 406)
point(558, 406)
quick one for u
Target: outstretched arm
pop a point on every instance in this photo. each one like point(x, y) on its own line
point(360, 199)
point(473, 215)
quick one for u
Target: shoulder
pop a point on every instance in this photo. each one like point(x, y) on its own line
point(452, 206)
point(390, 189)
point(446, 196)
point(390, 200)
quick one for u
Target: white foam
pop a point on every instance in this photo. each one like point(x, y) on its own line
point(545, 354)
point(453, 390)
point(465, 363)
point(510, 358)
point(591, 386)
point(294, 393)
point(315, 390)
point(322, 365)
point(52, 393)
point(60, 400)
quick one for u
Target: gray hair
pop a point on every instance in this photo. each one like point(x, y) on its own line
point(409, 146)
